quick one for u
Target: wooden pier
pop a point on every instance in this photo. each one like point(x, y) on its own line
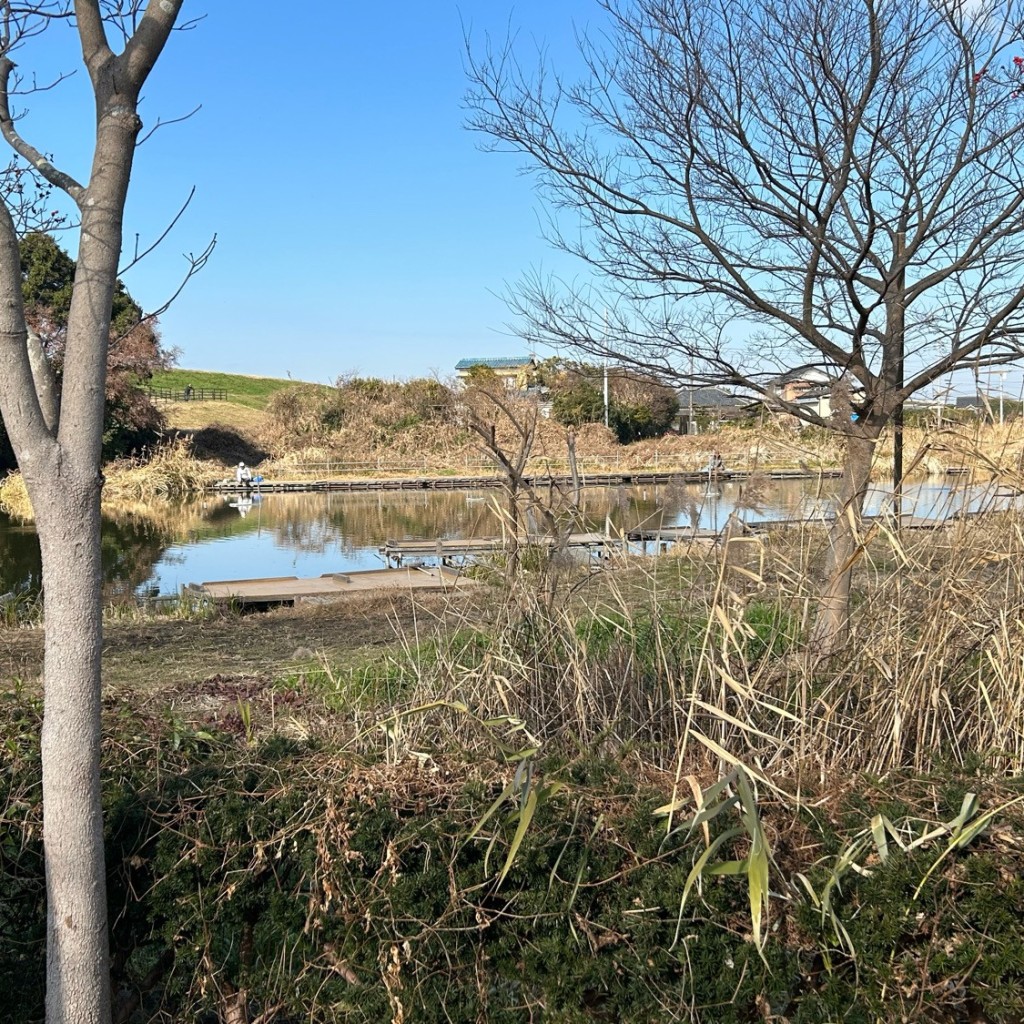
point(274, 590)
point(450, 550)
point(663, 537)
point(447, 550)
point(909, 521)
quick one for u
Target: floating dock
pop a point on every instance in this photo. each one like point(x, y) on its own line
point(663, 537)
point(449, 549)
point(331, 586)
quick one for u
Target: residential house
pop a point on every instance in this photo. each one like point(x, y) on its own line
point(995, 405)
point(810, 386)
point(514, 371)
point(711, 404)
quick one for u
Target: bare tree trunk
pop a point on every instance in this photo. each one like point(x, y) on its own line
point(236, 1010)
point(512, 525)
point(832, 622)
point(78, 970)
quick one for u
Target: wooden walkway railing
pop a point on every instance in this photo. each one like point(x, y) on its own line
point(188, 394)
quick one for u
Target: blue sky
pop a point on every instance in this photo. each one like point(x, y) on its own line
point(359, 225)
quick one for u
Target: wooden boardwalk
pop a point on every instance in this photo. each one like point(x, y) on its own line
point(329, 587)
point(664, 536)
point(469, 483)
point(449, 550)
point(397, 578)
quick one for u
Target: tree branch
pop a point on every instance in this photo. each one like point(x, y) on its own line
point(23, 413)
point(147, 41)
point(92, 35)
point(56, 177)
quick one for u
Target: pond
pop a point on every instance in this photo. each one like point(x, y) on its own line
point(155, 550)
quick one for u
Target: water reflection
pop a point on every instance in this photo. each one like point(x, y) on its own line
point(157, 549)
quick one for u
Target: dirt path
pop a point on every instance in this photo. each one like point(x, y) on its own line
point(166, 653)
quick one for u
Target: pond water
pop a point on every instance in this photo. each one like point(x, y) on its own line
point(155, 550)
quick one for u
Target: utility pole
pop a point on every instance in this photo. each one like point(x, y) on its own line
point(689, 418)
point(606, 368)
point(606, 392)
point(897, 325)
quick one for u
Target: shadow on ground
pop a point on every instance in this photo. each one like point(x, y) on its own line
point(224, 444)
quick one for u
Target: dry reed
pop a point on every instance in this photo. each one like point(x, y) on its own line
point(696, 662)
point(445, 448)
point(169, 472)
point(14, 498)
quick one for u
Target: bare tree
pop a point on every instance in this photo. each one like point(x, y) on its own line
point(58, 450)
point(757, 183)
point(505, 424)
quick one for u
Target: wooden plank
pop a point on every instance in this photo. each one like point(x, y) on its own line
point(448, 547)
point(255, 579)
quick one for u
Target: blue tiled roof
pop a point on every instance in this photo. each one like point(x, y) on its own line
point(495, 362)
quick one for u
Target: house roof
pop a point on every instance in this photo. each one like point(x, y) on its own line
point(495, 362)
point(707, 398)
point(810, 372)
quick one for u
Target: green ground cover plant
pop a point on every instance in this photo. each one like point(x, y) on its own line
point(290, 881)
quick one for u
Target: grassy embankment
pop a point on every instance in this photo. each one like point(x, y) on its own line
point(224, 431)
point(382, 430)
point(243, 390)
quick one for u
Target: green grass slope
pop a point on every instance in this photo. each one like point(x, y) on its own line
point(251, 392)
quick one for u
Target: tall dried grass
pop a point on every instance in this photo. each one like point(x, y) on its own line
point(443, 448)
point(14, 498)
point(169, 472)
point(696, 664)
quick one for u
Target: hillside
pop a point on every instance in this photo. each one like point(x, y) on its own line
point(243, 390)
point(224, 430)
